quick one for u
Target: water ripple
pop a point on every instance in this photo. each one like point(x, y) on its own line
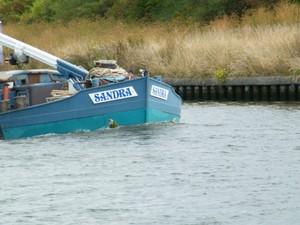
point(223, 164)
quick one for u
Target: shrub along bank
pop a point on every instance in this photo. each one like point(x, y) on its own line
point(262, 42)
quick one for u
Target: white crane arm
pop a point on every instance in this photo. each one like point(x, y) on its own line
point(65, 68)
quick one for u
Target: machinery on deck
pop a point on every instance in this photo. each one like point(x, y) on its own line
point(22, 51)
point(31, 87)
point(36, 102)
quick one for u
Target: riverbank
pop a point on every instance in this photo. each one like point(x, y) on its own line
point(261, 43)
point(241, 89)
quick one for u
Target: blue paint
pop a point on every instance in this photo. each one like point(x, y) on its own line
point(89, 123)
point(73, 125)
point(80, 113)
point(68, 70)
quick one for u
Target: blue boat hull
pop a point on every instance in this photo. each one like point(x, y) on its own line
point(139, 101)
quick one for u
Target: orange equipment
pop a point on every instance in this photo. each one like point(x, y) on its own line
point(5, 92)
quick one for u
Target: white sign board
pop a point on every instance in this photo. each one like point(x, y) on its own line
point(159, 92)
point(113, 95)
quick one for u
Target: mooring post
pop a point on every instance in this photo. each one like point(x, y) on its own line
point(200, 93)
point(268, 92)
point(264, 93)
point(220, 92)
point(180, 91)
point(292, 92)
point(204, 92)
point(260, 92)
point(273, 93)
point(240, 89)
point(213, 95)
point(277, 92)
point(282, 93)
point(225, 92)
point(208, 93)
point(296, 92)
point(193, 89)
point(238, 93)
point(247, 93)
point(251, 93)
point(233, 93)
point(287, 94)
point(243, 92)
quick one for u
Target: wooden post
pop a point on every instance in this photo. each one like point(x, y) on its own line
point(200, 93)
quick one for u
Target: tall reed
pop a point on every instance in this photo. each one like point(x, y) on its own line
point(263, 42)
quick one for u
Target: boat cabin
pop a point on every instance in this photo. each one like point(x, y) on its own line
point(21, 88)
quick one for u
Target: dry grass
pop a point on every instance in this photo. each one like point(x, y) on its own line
point(261, 43)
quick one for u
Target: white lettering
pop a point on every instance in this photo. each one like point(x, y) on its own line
point(159, 92)
point(113, 95)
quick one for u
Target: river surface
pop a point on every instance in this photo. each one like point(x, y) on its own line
point(222, 164)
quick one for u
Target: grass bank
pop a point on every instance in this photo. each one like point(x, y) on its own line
point(263, 42)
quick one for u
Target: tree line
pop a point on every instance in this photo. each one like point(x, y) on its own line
point(128, 10)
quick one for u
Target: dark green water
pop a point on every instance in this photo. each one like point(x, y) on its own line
point(223, 164)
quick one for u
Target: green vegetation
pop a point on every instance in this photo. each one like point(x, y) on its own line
point(129, 10)
point(192, 38)
point(221, 75)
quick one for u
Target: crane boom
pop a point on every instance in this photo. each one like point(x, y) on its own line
point(66, 69)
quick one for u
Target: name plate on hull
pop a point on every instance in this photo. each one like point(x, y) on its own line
point(113, 95)
point(159, 92)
